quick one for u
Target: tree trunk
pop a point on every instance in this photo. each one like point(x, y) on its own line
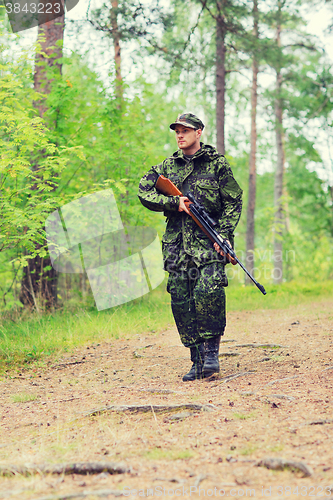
point(50, 38)
point(220, 79)
point(250, 228)
point(117, 52)
point(39, 281)
point(278, 185)
point(278, 188)
point(39, 286)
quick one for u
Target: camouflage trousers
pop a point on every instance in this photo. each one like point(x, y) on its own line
point(198, 302)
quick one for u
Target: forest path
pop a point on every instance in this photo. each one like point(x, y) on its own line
point(273, 398)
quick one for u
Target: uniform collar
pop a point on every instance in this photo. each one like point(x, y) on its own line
point(180, 154)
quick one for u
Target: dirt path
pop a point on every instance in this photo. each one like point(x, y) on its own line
point(280, 405)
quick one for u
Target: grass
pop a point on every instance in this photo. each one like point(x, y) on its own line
point(243, 416)
point(23, 398)
point(161, 454)
point(277, 357)
point(276, 448)
point(248, 450)
point(249, 298)
point(27, 339)
point(39, 338)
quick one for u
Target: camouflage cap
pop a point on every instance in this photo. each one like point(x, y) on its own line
point(188, 120)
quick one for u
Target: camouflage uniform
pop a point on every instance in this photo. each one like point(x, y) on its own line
point(197, 274)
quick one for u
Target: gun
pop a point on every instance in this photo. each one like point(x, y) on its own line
point(206, 224)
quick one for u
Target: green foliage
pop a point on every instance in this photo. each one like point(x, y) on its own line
point(29, 167)
point(310, 204)
point(135, 20)
point(97, 142)
point(99, 145)
point(119, 143)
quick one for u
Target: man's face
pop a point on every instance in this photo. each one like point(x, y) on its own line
point(187, 137)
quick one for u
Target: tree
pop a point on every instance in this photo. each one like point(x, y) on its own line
point(116, 46)
point(228, 15)
point(280, 165)
point(250, 226)
point(25, 199)
point(48, 61)
point(287, 60)
point(39, 278)
point(128, 20)
point(180, 43)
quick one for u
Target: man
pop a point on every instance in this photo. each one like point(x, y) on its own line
point(196, 268)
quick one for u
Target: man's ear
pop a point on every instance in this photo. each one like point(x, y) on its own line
point(199, 132)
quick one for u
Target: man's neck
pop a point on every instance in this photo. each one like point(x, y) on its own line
point(192, 150)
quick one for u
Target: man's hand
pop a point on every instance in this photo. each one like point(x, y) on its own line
point(182, 207)
point(218, 249)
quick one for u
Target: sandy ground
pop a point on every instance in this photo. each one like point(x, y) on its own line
point(280, 405)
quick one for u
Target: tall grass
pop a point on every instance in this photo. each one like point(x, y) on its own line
point(42, 337)
point(26, 339)
point(282, 296)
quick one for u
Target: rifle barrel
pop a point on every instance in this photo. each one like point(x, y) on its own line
point(167, 187)
point(228, 251)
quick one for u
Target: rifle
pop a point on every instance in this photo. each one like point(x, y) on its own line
point(206, 224)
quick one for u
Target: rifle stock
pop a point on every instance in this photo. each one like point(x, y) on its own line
point(167, 187)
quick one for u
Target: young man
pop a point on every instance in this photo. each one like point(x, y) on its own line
point(196, 268)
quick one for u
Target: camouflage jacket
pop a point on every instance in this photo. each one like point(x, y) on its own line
point(209, 178)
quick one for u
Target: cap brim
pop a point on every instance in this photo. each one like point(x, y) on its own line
point(184, 124)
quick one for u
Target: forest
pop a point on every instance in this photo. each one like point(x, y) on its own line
point(93, 399)
point(86, 103)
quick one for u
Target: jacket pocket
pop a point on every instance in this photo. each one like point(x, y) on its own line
point(208, 195)
point(171, 248)
point(204, 243)
point(170, 237)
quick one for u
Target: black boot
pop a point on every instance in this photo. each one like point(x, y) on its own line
point(197, 358)
point(211, 364)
